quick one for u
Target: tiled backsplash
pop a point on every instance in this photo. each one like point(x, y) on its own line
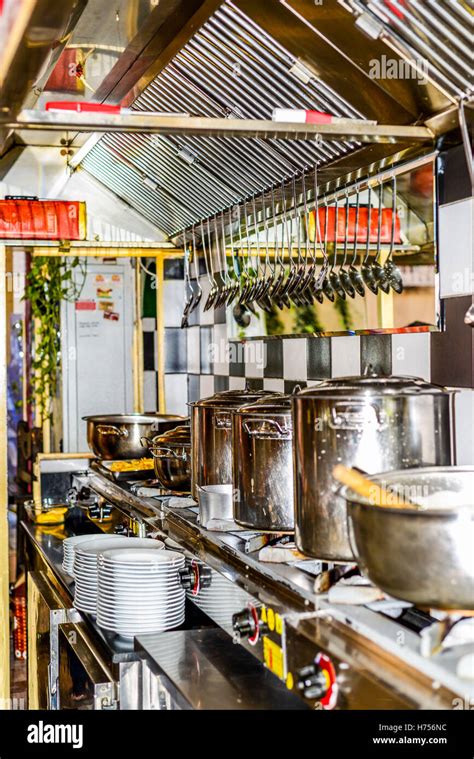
point(199, 362)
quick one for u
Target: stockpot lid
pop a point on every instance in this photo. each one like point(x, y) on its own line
point(277, 403)
point(151, 418)
point(178, 436)
point(230, 399)
point(373, 385)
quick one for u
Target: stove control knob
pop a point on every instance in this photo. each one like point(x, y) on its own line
point(311, 681)
point(247, 624)
point(317, 681)
point(244, 624)
point(195, 576)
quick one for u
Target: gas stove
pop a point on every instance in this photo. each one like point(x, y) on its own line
point(384, 654)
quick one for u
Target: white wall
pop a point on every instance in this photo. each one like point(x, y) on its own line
point(42, 171)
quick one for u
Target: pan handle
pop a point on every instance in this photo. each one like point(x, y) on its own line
point(160, 452)
point(353, 415)
point(258, 427)
point(110, 429)
point(222, 421)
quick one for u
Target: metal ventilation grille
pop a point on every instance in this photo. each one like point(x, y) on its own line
point(437, 33)
point(230, 67)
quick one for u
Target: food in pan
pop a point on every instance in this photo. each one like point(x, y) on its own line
point(134, 465)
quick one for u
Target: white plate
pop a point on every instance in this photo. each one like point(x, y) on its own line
point(130, 574)
point(77, 539)
point(95, 547)
point(135, 630)
point(129, 620)
point(144, 603)
point(147, 579)
point(85, 607)
point(144, 581)
point(114, 591)
point(122, 608)
point(136, 556)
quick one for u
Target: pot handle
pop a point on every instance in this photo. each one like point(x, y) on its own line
point(353, 415)
point(110, 429)
point(160, 452)
point(222, 421)
point(253, 427)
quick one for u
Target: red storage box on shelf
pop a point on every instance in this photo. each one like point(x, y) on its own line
point(385, 231)
point(22, 219)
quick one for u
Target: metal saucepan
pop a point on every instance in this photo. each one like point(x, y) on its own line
point(375, 423)
point(263, 465)
point(211, 436)
point(118, 436)
point(171, 453)
point(422, 555)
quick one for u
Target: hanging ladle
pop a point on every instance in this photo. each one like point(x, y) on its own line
point(306, 292)
point(326, 285)
point(317, 285)
point(333, 275)
point(377, 268)
point(392, 271)
point(277, 290)
point(188, 290)
point(233, 288)
point(354, 273)
point(197, 294)
point(366, 268)
point(343, 274)
point(209, 268)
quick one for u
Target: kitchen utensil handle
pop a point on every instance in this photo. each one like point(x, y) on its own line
point(367, 488)
point(353, 415)
point(222, 421)
point(282, 432)
point(160, 452)
point(110, 429)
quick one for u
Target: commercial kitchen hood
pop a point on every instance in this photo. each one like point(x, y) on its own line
point(249, 58)
point(245, 58)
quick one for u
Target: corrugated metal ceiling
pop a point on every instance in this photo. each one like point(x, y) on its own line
point(230, 67)
point(438, 33)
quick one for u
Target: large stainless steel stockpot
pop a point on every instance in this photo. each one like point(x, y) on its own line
point(374, 423)
point(211, 436)
point(171, 453)
point(262, 458)
point(422, 555)
point(118, 436)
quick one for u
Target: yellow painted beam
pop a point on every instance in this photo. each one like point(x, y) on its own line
point(138, 401)
point(108, 252)
point(160, 334)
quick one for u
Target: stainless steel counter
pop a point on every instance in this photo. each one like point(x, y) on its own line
point(376, 661)
point(204, 669)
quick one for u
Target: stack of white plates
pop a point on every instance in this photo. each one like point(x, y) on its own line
point(85, 566)
point(221, 600)
point(140, 591)
point(70, 545)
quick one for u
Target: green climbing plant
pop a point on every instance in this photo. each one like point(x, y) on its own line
point(342, 307)
point(49, 282)
point(307, 320)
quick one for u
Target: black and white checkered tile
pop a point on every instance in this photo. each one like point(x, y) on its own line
point(200, 361)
